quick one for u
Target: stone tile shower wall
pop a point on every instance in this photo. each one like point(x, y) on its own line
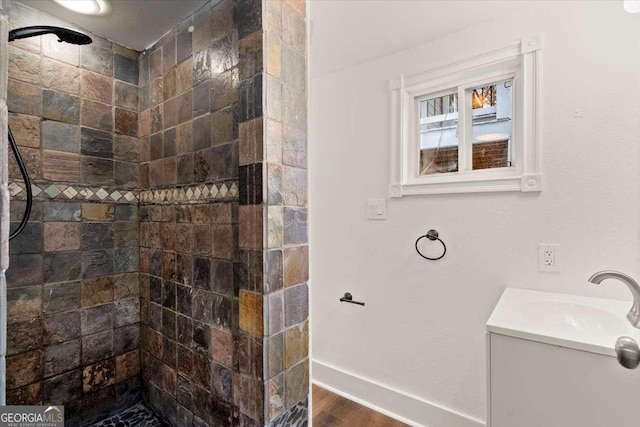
point(73, 286)
point(224, 306)
point(203, 153)
point(284, 166)
point(190, 102)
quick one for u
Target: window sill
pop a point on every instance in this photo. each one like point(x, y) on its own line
point(458, 183)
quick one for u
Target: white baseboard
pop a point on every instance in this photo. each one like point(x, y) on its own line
point(403, 407)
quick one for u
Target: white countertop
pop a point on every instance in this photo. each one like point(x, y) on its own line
point(582, 323)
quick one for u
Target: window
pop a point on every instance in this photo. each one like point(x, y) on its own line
point(470, 126)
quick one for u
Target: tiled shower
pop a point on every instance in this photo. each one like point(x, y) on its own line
point(166, 258)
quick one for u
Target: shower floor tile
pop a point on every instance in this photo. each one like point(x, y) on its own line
point(136, 416)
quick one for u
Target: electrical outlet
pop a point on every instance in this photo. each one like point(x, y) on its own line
point(549, 257)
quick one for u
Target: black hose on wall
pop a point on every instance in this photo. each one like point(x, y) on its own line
point(27, 184)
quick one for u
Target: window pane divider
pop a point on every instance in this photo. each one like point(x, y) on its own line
point(464, 117)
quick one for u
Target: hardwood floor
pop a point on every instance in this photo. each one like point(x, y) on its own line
point(331, 410)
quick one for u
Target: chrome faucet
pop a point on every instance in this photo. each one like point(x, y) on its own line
point(634, 314)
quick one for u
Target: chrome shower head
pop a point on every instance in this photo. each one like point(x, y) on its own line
point(64, 34)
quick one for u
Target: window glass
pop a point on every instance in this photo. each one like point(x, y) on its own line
point(491, 123)
point(438, 134)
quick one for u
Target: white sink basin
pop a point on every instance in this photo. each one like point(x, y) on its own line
point(582, 323)
point(582, 318)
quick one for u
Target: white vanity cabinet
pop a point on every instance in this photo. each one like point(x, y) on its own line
point(551, 363)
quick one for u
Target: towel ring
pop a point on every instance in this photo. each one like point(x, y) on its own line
point(431, 235)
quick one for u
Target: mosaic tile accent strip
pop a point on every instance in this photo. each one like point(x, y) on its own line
point(202, 192)
point(46, 191)
point(136, 416)
point(193, 193)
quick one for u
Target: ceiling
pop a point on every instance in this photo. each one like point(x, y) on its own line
point(345, 33)
point(136, 24)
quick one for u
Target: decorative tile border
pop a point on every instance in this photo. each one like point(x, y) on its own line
point(17, 191)
point(194, 193)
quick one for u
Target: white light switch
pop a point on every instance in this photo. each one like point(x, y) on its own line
point(376, 209)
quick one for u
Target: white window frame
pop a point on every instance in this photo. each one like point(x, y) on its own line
point(521, 62)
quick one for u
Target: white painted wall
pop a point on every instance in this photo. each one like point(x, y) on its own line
point(422, 329)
